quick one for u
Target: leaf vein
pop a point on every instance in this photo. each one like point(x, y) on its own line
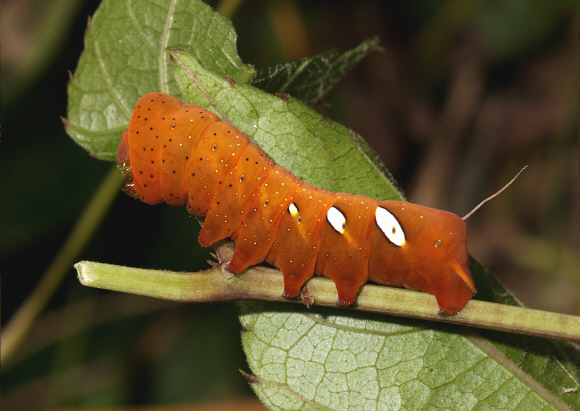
point(108, 81)
point(137, 27)
point(162, 59)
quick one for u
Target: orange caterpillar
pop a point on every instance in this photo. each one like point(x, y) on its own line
point(184, 155)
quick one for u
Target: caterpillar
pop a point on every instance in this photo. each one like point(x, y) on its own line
point(184, 155)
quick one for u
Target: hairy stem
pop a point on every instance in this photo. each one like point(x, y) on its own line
point(261, 283)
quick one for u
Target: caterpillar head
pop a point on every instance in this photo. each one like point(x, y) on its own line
point(424, 249)
point(139, 152)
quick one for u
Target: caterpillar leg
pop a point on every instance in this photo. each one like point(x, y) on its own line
point(238, 265)
point(293, 283)
point(456, 291)
point(347, 293)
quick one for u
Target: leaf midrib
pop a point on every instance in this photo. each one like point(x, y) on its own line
point(491, 351)
point(162, 58)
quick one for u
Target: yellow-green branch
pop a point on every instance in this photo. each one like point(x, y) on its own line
point(261, 283)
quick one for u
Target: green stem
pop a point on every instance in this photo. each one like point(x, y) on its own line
point(262, 283)
point(92, 215)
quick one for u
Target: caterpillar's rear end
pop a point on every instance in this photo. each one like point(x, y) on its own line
point(184, 155)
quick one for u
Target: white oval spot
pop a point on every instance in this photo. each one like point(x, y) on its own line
point(293, 210)
point(390, 226)
point(336, 219)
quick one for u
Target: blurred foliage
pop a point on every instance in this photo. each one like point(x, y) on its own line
point(463, 94)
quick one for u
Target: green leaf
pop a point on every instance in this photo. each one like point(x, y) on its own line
point(125, 57)
point(311, 78)
point(317, 359)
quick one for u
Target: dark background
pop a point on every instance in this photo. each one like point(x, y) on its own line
point(460, 97)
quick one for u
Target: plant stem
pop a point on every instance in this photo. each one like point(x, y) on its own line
point(18, 327)
point(261, 283)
